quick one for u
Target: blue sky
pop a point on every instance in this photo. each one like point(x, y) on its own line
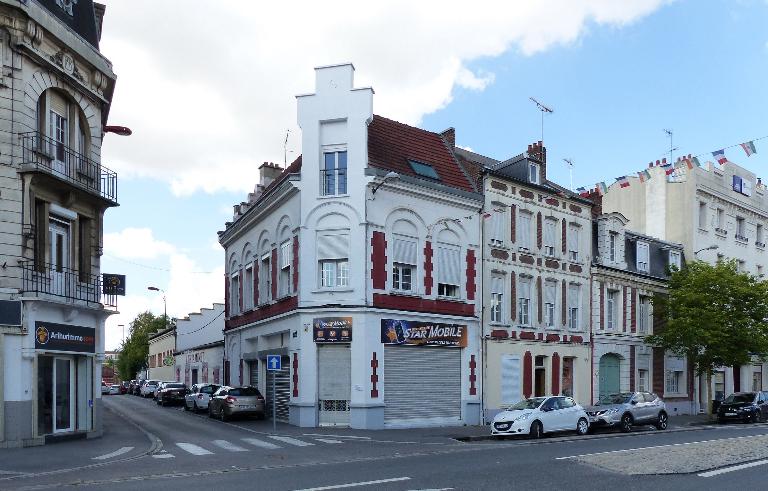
point(615, 78)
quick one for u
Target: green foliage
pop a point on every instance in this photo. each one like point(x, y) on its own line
point(713, 315)
point(135, 350)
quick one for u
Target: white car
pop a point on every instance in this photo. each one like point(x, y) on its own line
point(104, 388)
point(114, 390)
point(149, 388)
point(199, 396)
point(540, 415)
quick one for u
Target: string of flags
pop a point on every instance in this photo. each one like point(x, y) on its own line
point(689, 162)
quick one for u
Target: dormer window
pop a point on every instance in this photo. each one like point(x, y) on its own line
point(533, 173)
point(67, 5)
point(642, 256)
point(674, 259)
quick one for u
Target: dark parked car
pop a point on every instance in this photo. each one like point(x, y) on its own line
point(171, 393)
point(137, 387)
point(744, 406)
point(231, 401)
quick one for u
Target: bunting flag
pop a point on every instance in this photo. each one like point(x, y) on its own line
point(582, 192)
point(720, 156)
point(601, 188)
point(668, 168)
point(749, 148)
point(644, 175)
point(623, 181)
point(695, 161)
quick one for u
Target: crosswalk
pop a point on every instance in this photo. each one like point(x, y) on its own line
point(268, 442)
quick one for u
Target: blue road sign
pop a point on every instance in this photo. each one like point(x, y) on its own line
point(273, 363)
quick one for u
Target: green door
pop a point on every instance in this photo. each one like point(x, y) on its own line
point(609, 375)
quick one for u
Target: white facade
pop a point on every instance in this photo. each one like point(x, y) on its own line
point(199, 356)
point(57, 92)
point(161, 364)
point(702, 208)
point(341, 237)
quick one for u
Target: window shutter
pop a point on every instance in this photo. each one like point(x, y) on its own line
point(573, 238)
point(496, 225)
point(448, 265)
point(497, 284)
point(549, 233)
point(404, 251)
point(549, 292)
point(58, 104)
point(573, 296)
point(333, 246)
point(285, 255)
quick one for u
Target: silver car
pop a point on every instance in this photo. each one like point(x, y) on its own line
point(198, 397)
point(230, 401)
point(626, 409)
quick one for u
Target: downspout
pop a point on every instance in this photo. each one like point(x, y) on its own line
point(481, 297)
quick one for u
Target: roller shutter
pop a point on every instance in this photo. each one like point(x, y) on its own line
point(282, 390)
point(421, 383)
point(334, 384)
point(253, 373)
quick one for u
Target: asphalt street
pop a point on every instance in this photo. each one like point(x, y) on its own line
point(181, 450)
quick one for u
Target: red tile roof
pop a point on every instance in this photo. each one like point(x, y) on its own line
point(391, 144)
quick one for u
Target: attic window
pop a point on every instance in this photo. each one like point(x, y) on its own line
point(66, 5)
point(423, 170)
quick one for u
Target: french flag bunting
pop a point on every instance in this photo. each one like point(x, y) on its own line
point(623, 181)
point(719, 155)
point(601, 188)
point(695, 161)
point(668, 168)
point(749, 148)
point(644, 175)
point(582, 192)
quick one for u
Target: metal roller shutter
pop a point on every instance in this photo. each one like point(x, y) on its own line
point(282, 390)
point(253, 373)
point(335, 386)
point(422, 383)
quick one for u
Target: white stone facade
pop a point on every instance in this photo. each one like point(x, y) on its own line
point(199, 355)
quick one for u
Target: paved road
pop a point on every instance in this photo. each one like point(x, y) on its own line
point(190, 451)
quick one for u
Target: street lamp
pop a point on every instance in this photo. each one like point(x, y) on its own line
point(710, 248)
point(165, 304)
point(391, 175)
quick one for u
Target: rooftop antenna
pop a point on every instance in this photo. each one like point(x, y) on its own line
point(570, 170)
point(285, 148)
point(671, 147)
point(543, 109)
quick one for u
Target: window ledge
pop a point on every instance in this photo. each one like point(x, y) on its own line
point(331, 196)
point(404, 293)
point(675, 394)
point(333, 290)
point(450, 299)
point(703, 230)
point(499, 324)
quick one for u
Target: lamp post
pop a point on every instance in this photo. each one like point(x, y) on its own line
point(165, 304)
point(709, 248)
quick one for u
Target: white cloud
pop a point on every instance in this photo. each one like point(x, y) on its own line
point(136, 243)
point(209, 94)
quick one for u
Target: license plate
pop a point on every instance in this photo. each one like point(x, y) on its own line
point(247, 407)
point(730, 414)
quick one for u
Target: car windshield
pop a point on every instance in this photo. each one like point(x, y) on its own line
point(209, 389)
point(245, 392)
point(744, 397)
point(151, 383)
point(527, 404)
point(622, 398)
point(174, 386)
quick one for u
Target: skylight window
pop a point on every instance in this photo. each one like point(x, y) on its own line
point(424, 170)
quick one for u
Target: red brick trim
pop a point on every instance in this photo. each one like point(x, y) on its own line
point(577, 339)
point(555, 373)
point(539, 300)
point(419, 304)
point(564, 304)
point(538, 230)
point(564, 245)
point(374, 376)
point(513, 295)
point(625, 306)
point(226, 296)
point(256, 283)
point(295, 374)
point(241, 371)
point(428, 281)
point(499, 334)
point(295, 264)
point(472, 376)
point(527, 335)
point(552, 338)
point(241, 279)
point(513, 223)
point(658, 371)
point(631, 367)
point(471, 274)
point(379, 260)
point(602, 306)
point(633, 313)
point(285, 305)
point(527, 374)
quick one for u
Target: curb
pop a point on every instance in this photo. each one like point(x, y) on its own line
point(602, 436)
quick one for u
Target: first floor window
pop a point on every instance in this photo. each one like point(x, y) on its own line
point(550, 227)
point(497, 298)
point(574, 297)
point(574, 232)
point(550, 295)
point(402, 277)
point(404, 263)
point(643, 317)
point(524, 303)
point(248, 289)
point(334, 273)
point(675, 375)
point(611, 309)
point(448, 270)
point(265, 279)
point(674, 378)
point(285, 268)
point(642, 380)
point(234, 294)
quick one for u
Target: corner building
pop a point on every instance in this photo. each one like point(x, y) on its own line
point(56, 91)
point(358, 265)
point(536, 282)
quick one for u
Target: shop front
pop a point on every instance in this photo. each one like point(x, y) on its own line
point(333, 338)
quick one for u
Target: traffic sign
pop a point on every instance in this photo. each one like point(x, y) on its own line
point(274, 363)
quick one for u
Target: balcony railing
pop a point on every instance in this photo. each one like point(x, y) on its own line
point(50, 279)
point(53, 157)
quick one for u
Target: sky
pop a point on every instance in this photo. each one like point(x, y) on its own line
point(208, 89)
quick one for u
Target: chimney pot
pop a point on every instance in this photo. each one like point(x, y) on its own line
point(664, 160)
point(657, 162)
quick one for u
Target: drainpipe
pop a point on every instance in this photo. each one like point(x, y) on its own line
point(481, 296)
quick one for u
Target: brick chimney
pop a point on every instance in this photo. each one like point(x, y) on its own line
point(449, 136)
point(268, 172)
point(537, 151)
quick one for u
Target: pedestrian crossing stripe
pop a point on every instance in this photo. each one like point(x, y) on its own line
point(229, 446)
point(193, 449)
point(197, 450)
point(290, 441)
point(261, 443)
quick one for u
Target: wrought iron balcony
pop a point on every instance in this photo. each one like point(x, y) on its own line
point(48, 155)
point(57, 281)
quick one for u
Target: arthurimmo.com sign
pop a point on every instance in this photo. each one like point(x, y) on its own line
point(62, 337)
point(415, 333)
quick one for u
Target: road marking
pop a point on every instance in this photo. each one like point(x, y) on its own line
point(290, 441)
point(733, 468)
point(339, 436)
point(657, 446)
point(119, 451)
point(357, 484)
point(261, 443)
point(193, 449)
point(229, 446)
point(328, 440)
point(163, 456)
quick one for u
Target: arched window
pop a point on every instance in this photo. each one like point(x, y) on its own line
point(405, 256)
point(286, 263)
point(64, 135)
point(265, 272)
point(248, 281)
point(234, 288)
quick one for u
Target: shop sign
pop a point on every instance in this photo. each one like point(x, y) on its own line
point(112, 284)
point(416, 333)
point(62, 337)
point(332, 330)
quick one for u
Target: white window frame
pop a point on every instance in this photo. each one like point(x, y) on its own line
point(613, 240)
point(524, 230)
point(399, 272)
point(574, 235)
point(550, 237)
point(497, 298)
point(702, 215)
point(644, 315)
point(533, 173)
point(265, 278)
point(334, 273)
point(446, 286)
point(524, 302)
point(497, 230)
point(675, 381)
point(574, 301)
point(642, 382)
point(248, 287)
point(611, 309)
point(333, 264)
point(324, 189)
point(285, 253)
point(234, 293)
point(402, 262)
point(721, 218)
point(675, 259)
point(741, 226)
point(643, 256)
point(550, 304)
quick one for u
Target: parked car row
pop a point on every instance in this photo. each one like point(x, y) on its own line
point(222, 402)
point(539, 415)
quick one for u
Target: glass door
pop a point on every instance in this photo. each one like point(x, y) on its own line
point(63, 395)
point(59, 245)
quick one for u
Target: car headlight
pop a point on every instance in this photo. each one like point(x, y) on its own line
point(612, 411)
point(522, 417)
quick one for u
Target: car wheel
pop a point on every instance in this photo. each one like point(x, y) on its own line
point(662, 421)
point(626, 423)
point(536, 430)
point(582, 427)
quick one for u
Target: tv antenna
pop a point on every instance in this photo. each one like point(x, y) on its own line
point(671, 147)
point(570, 169)
point(285, 148)
point(543, 109)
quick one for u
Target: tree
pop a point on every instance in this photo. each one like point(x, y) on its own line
point(714, 316)
point(135, 349)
